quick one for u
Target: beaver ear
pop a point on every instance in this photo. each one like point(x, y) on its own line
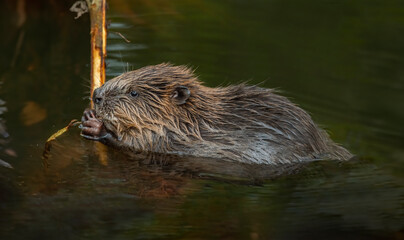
point(181, 95)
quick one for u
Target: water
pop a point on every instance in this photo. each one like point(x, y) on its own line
point(340, 60)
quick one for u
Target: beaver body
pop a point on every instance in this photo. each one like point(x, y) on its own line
point(165, 109)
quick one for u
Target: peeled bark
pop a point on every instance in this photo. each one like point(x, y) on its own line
point(97, 9)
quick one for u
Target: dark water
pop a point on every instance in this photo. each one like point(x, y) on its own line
point(340, 60)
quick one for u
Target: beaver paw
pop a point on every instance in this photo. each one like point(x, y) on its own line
point(91, 127)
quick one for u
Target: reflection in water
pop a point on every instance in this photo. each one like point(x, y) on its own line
point(155, 196)
point(340, 60)
point(147, 174)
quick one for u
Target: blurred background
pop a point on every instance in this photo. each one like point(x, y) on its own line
point(342, 61)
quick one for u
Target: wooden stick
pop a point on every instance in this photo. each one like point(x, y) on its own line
point(98, 43)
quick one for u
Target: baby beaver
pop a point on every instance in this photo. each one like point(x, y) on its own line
point(165, 109)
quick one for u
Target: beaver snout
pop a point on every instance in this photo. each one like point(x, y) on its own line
point(97, 99)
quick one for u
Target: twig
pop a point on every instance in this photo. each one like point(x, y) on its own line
point(122, 36)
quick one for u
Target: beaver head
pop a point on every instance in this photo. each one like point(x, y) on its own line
point(151, 107)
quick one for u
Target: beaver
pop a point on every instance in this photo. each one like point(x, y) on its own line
point(166, 109)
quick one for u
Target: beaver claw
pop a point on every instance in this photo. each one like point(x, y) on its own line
point(91, 127)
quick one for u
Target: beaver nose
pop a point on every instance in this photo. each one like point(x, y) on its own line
point(97, 99)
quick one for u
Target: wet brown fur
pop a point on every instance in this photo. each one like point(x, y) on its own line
point(237, 123)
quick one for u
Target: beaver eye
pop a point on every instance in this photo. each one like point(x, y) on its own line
point(134, 93)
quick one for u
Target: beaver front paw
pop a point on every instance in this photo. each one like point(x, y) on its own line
point(91, 127)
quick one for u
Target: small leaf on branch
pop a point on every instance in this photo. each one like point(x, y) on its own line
point(48, 144)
